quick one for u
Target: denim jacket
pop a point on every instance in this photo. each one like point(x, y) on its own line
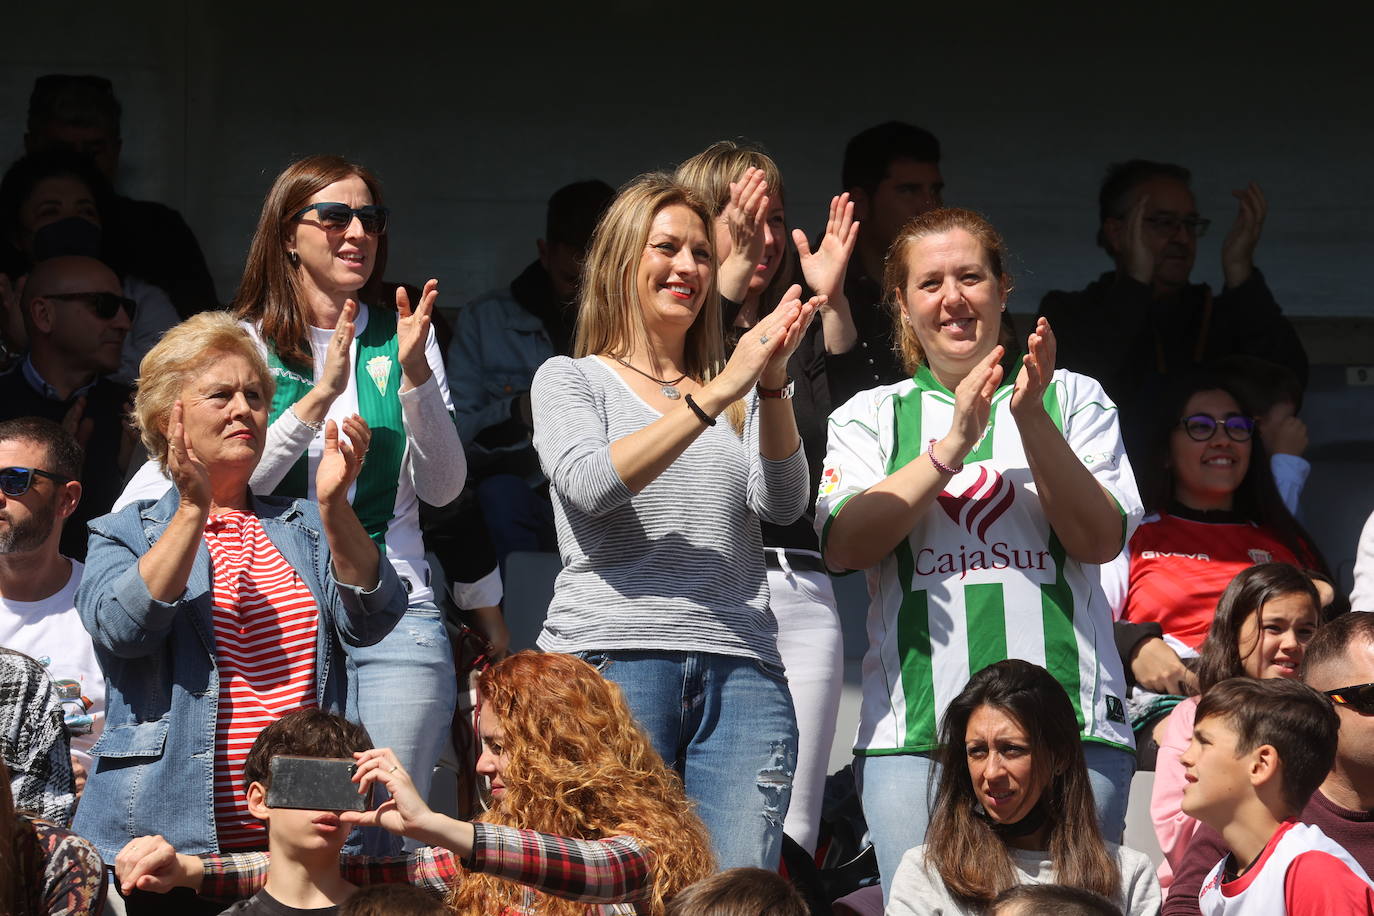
point(155, 762)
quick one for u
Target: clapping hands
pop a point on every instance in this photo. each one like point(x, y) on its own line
point(1238, 250)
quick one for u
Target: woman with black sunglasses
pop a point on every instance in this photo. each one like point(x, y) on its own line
point(312, 295)
point(1215, 512)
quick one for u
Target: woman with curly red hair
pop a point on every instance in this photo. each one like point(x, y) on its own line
point(585, 817)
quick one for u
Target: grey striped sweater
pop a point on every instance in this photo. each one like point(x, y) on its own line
point(677, 567)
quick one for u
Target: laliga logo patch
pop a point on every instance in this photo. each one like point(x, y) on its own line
point(379, 370)
point(830, 480)
point(1260, 556)
point(981, 504)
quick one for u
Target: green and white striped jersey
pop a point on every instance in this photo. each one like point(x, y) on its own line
point(982, 577)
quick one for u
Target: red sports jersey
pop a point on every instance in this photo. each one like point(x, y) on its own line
point(1180, 567)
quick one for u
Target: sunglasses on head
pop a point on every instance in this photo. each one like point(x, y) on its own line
point(1359, 698)
point(16, 481)
point(336, 216)
point(1201, 426)
point(103, 304)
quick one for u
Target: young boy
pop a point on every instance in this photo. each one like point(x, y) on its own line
point(305, 845)
point(1260, 748)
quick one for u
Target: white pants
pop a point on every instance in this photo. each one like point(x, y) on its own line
point(812, 650)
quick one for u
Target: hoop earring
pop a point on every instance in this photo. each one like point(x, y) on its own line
point(294, 258)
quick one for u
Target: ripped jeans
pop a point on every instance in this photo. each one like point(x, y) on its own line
point(727, 725)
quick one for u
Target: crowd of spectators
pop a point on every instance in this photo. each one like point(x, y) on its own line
point(237, 532)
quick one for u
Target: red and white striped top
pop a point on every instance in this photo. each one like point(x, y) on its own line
point(266, 627)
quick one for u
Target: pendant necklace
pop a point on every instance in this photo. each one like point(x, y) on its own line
point(666, 387)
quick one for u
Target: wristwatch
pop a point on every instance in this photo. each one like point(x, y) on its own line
point(784, 392)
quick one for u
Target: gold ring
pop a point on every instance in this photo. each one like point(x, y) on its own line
point(394, 768)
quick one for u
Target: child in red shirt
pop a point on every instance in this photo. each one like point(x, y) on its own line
point(1260, 748)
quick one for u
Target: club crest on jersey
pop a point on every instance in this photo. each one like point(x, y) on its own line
point(981, 504)
point(830, 481)
point(379, 369)
point(1260, 556)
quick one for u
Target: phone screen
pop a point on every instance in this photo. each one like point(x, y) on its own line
point(315, 783)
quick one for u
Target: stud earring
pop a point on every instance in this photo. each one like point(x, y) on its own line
point(294, 258)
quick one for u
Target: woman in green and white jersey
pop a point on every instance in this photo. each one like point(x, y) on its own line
point(978, 511)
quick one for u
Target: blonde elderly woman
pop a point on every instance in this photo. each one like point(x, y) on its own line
point(213, 610)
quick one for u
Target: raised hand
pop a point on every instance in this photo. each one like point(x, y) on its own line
point(1138, 258)
point(774, 374)
point(744, 217)
point(404, 811)
point(77, 424)
point(1037, 370)
point(824, 268)
point(972, 407)
point(334, 377)
point(1238, 250)
point(189, 474)
point(412, 333)
point(341, 462)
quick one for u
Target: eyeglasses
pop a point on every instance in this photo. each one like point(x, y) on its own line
point(335, 217)
point(103, 304)
point(1359, 698)
point(1201, 426)
point(1168, 224)
point(16, 481)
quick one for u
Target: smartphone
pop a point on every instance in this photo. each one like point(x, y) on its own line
point(316, 783)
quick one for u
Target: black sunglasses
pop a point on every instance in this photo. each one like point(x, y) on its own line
point(103, 304)
point(16, 481)
point(1359, 698)
point(1200, 427)
point(334, 216)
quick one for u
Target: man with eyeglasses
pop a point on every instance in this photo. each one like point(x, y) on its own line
point(1339, 662)
point(1144, 321)
point(40, 467)
point(76, 317)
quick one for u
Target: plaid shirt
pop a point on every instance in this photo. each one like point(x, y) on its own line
point(609, 875)
point(33, 739)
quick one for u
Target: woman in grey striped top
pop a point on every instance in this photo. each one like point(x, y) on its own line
point(657, 506)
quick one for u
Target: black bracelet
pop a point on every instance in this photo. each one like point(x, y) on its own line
point(696, 409)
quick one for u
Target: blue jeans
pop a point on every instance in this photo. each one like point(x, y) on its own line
point(898, 790)
point(404, 690)
point(726, 724)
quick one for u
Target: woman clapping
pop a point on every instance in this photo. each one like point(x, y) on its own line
point(662, 459)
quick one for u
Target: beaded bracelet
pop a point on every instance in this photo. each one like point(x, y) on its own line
point(940, 465)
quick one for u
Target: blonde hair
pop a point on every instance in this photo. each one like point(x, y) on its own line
point(608, 311)
point(709, 174)
point(896, 271)
point(609, 318)
point(581, 767)
point(180, 355)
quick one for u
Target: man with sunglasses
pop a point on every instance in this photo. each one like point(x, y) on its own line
point(1143, 321)
point(1339, 662)
point(40, 487)
point(76, 318)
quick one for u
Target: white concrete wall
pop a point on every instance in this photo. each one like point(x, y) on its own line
point(472, 118)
